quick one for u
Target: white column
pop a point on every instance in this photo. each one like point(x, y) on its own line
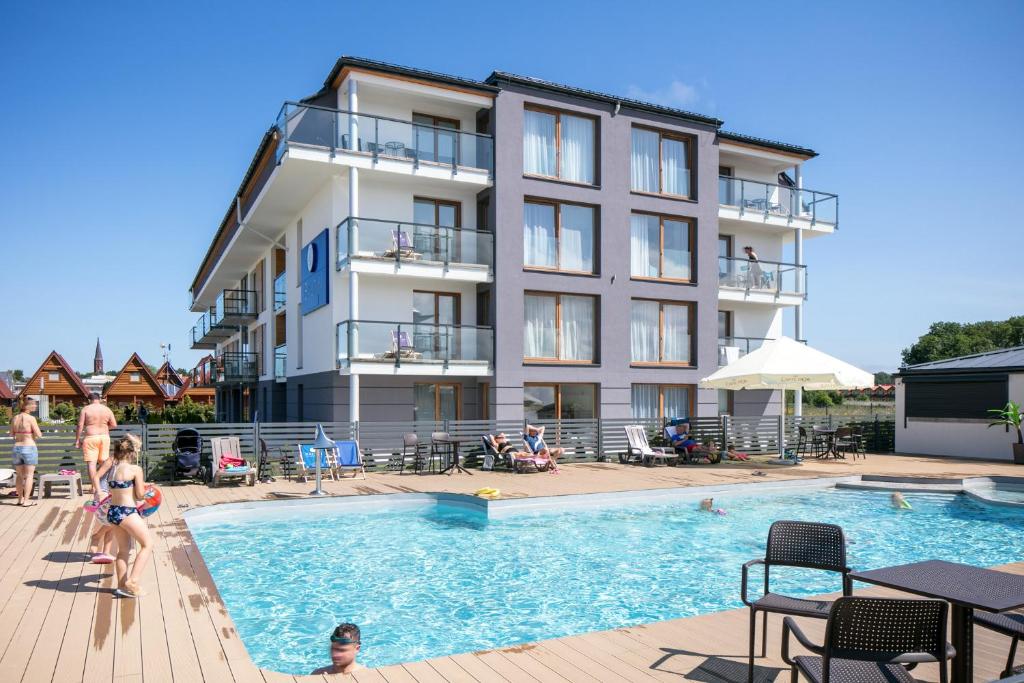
point(798, 313)
point(353, 211)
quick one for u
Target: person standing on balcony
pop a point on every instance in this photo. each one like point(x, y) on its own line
point(756, 275)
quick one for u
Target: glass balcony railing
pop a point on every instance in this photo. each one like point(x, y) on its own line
point(770, 277)
point(280, 291)
point(731, 349)
point(237, 366)
point(384, 137)
point(397, 343)
point(234, 306)
point(768, 199)
point(281, 362)
point(374, 238)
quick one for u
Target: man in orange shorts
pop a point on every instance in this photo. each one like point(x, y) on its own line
point(93, 436)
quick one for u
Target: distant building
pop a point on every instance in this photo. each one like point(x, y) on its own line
point(6, 394)
point(879, 392)
point(942, 407)
point(55, 382)
point(134, 383)
point(97, 359)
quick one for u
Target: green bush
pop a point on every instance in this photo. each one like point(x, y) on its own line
point(5, 415)
point(64, 411)
point(821, 399)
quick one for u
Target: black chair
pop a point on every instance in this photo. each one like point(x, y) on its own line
point(844, 441)
point(1011, 625)
point(411, 442)
point(441, 448)
point(810, 545)
point(811, 445)
point(872, 640)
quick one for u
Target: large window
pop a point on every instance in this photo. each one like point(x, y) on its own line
point(661, 247)
point(559, 327)
point(661, 401)
point(660, 332)
point(558, 145)
point(437, 401)
point(660, 163)
point(558, 236)
point(559, 401)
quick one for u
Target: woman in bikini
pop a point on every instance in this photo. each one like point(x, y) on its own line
point(127, 486)
point(25, 431)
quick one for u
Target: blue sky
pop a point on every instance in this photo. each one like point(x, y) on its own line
point(128, 128)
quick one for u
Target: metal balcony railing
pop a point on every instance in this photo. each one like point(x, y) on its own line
point(771, 277)
point(375, 238)
point(236, 367)
point(383, 137)
point(281, 362)
point(733, 348)
point(763, 199)
point(398, 343)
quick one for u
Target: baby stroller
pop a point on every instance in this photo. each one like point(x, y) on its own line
point(187, 449)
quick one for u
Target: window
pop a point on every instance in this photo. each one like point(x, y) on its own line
point(660, 163)
point(724, 324)
point(661, 401)
point(726, 195)
point(961, 397)
point(660, 247)
point(257, 347)
point(559, 327)
point(53, 377)
point(133, 377)
point(558, 145)
point(660, 332)
point(436, 138)
point(437, 401)
point(559, 401)
point(430, 237)
point(258, 278)
point(725, 402)
point(558, 236)
point(434, 314)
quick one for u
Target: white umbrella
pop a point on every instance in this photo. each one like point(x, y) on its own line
point(785, 363)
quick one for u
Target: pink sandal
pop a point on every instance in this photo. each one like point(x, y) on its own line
point(101, 558)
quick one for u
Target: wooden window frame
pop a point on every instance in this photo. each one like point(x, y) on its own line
point(558, 113)
point(728, 322)
point(557, 386)
point(692, 396)
point(662, 217)
point(434, 121)
point(691, 319)
point(556, 360)
point(689, 142)
point(438, 293)
point(558, 204)
point(438, 203)
point(437, 397)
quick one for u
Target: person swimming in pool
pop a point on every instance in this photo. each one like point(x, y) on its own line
point(708, 505)
point(899, 502)
point(345, 645)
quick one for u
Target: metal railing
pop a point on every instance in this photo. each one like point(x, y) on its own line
point(280, 291)
point(375, 238)
point(281, 362)
point(757, 197)
point(236, 366)
point(397, 343)
point(772, 277)
point(233, 307)
point(733, 348)
point(383, 137)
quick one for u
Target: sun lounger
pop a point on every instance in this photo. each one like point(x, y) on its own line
point(230, 447)
point(401, 346)
point(401, 246)
point(305, 462)
point(639, 449)
point(349, 459)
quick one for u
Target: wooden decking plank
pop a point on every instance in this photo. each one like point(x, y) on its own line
point(422, 672)
point(494, 661)
point(519, 657)
point(561, 666)
point(451, 671)
point(558, 649)
point(477, 669)
point(395, 673)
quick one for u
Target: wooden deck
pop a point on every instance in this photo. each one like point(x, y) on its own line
point(59, 621)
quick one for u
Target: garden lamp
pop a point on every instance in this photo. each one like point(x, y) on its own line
point(321, 445)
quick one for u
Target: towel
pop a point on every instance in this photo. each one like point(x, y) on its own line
point(229, 461)
point(67, 473)
point(236, 469)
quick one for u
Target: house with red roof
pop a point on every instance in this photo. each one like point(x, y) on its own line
point(55, 382)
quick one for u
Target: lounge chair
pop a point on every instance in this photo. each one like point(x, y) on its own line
point(349, 459)
point(1010, 624)
point(230, 447)
point(510, 458)
point(401, 346)
point(638, 448)
point(810, 545)
point(401, 246)
point(305, 462)
point(873, 640)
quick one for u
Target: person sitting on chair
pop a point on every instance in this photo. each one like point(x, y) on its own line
point(680, 437)
point(534, 440)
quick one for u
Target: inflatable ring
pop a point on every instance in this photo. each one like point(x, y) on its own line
point(488, 493)
point(905, 505)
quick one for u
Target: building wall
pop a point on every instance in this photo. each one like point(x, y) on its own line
point(612, 283)
point(959, 438)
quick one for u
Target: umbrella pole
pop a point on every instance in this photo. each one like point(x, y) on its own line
point(782, 428)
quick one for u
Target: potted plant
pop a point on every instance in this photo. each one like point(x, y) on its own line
point(1011, 416)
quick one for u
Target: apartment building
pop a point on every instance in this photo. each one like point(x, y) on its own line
point(408, 245)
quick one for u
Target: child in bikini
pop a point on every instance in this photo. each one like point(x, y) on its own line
point(127, 486)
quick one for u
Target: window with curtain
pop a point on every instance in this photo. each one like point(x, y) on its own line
point(660, 163)
point(559, 327)
point(559, 402)
point(660, 332)
point(558, 236)
point(559, 145)
point(661, 247)
point(661, 401)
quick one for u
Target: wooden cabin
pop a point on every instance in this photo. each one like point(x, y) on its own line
point(169, 380)
point(6, 395)
point(56, 382)
point(198, 394)
point(135, 382)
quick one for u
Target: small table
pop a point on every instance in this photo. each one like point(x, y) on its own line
point(965, 587)
point(46, 482)
point(452, 448)
point(830, 434)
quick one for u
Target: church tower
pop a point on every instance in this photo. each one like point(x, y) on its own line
point(97, 361)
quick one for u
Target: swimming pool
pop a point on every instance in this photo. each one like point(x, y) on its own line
point(424, 578)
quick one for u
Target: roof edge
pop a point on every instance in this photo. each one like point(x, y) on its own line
point(770, 144)
point(397, 70)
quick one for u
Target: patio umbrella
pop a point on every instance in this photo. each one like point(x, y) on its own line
point(785, 363)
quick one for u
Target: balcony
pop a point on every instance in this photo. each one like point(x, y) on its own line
point(731, 349)
point(280, 291)
point(371, 141)
point(234, 307)
point(236, 367)
point(374, 245)
point(393, 348)
point(777, 205)
point(740, 279)
point(281, 363)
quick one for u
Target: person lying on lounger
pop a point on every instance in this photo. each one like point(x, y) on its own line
point(345, 644)
point(534, 440)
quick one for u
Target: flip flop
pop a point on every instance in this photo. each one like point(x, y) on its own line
point(101, 558)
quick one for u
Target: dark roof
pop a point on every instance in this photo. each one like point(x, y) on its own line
point(498, 77)
point(1003, 360)
point(762, 142)
point(398, 70)
point(5, 391)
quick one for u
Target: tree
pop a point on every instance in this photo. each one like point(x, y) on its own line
point(949, 340)
point(18, 376)
point(64, 411)
point(883, 378)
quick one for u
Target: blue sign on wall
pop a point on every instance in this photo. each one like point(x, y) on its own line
point(314, 274)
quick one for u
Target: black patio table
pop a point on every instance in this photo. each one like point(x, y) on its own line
point(965, 587)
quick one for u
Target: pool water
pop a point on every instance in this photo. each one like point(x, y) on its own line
point(433, 580)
